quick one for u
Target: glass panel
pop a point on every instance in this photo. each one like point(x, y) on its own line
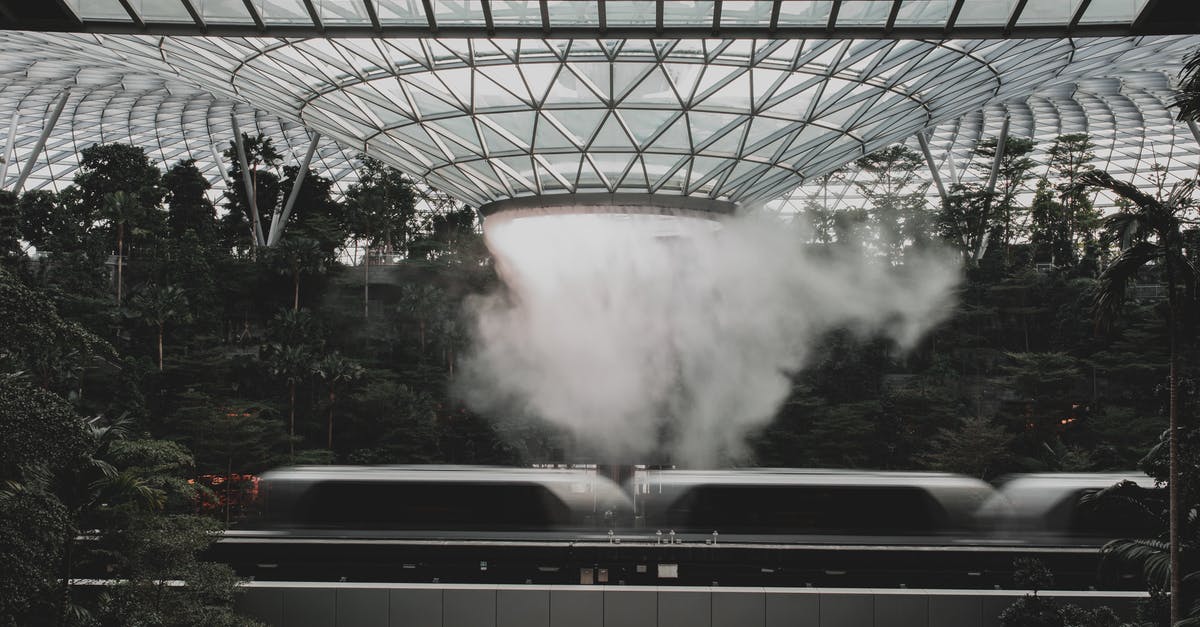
point(1112, 11)
point(282, 11)
point(162, 11)
point(985, 13)
point(400, 12)
point(1048, 12)
point(804, 12)
point(342, 12)
point(630, 12)
point(688, 13)
point(109, 10)
point(516, 12)
point(744, 12)
point(223, 11)
point(864, 13)
point(458, 12)
point(924, 12)
point(574, 12)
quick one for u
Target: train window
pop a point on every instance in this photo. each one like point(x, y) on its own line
point(418, 505)
point(807, 509)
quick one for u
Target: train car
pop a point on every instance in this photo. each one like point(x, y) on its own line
point(439, 498)
point(773, 503)
point(1051, 508)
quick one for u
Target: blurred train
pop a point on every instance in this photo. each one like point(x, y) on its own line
point(736, 506)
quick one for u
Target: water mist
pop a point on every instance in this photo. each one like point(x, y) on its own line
point(645, 330)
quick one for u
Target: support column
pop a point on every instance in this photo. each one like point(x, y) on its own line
point(251, 193)
point(41, 142)
point(991, 188)
point(277, 224)
point(216, 155)
point(9, 144)
point(937, 178)
point(1195, 135)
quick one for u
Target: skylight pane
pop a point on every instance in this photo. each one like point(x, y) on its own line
point(223, 11)
point(864, 13)
point(516, 12)
point(343, 12)
point(1112, 11)
point(1048, 12)
point(107, 10)
point(161, 11)
point(283, 12)
point(924, 12)
point(630, 12)
point(400, 12)
point(746, 13)
point(688, 13)
point(576, 13)
point(805, 12)
point(985, 13)
point(458, 12)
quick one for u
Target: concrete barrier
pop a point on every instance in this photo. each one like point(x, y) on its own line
point(301, 604)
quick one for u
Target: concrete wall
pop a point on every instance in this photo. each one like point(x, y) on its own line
point(297, 604)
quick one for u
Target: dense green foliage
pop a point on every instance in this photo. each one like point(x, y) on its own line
point(339, 344)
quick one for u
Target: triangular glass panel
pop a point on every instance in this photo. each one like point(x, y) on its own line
point(684, 76)
point(549, 137)
point(538, 77)
point(716, 79)
point(654, 89)
point(612, 135)
point(569, 89)
point(644, 123)
point(626, 76)
point(613, 165)
point(595, 75)
point(581, 124)
point(675, 137)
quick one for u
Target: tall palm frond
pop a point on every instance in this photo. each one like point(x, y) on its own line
point(1188, 100)
point(1153, 556)
point(1110, 294)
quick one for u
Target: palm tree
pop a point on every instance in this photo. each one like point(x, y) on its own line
point(119, 207)
point(1150, 231)
point(1188, 100)
point(337, 371)
point(293, 364)
point(93, 485)
point(297, 256)
point(157, 306)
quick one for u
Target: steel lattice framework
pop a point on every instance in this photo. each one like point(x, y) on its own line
point(739, 120)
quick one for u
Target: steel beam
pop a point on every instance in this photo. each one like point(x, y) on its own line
point(991, 189)
point(251, 193)
point(933, 171)
point(47, 128)
point(277, 225)
point(9, 143)
point(216, 155)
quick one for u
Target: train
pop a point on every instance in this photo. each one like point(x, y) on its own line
point(760, 505)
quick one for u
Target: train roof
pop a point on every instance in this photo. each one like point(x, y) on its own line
point(431, 473)
point(806, 476)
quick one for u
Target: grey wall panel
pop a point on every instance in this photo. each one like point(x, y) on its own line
point(522, 608)
point(630, 607)
point(738, 608)
point(365, 607)
point(468, 607)
point(954, 611)
point(791, 609)
point(901, 610)
point(415, 607)
point(577, 608)
point(847, 610)
point(692, 608)
point(990, 608)
point(309, 607)
point(261, 604)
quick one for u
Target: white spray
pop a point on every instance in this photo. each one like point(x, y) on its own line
point(642, 333)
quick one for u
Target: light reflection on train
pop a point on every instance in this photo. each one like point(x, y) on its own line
point(695, 506)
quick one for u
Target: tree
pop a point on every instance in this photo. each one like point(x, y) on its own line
point(120, 207)
point(156, 306)
point(337, 372)
point(1150, 231)
point(292, 364)
point(1188, 99)
point(977, 448)
point(382, 212)
point(260, 154)
point(188, 206)
point(1013, 178)
point(896, 196)
point(1070, 159)
point(297, 256)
